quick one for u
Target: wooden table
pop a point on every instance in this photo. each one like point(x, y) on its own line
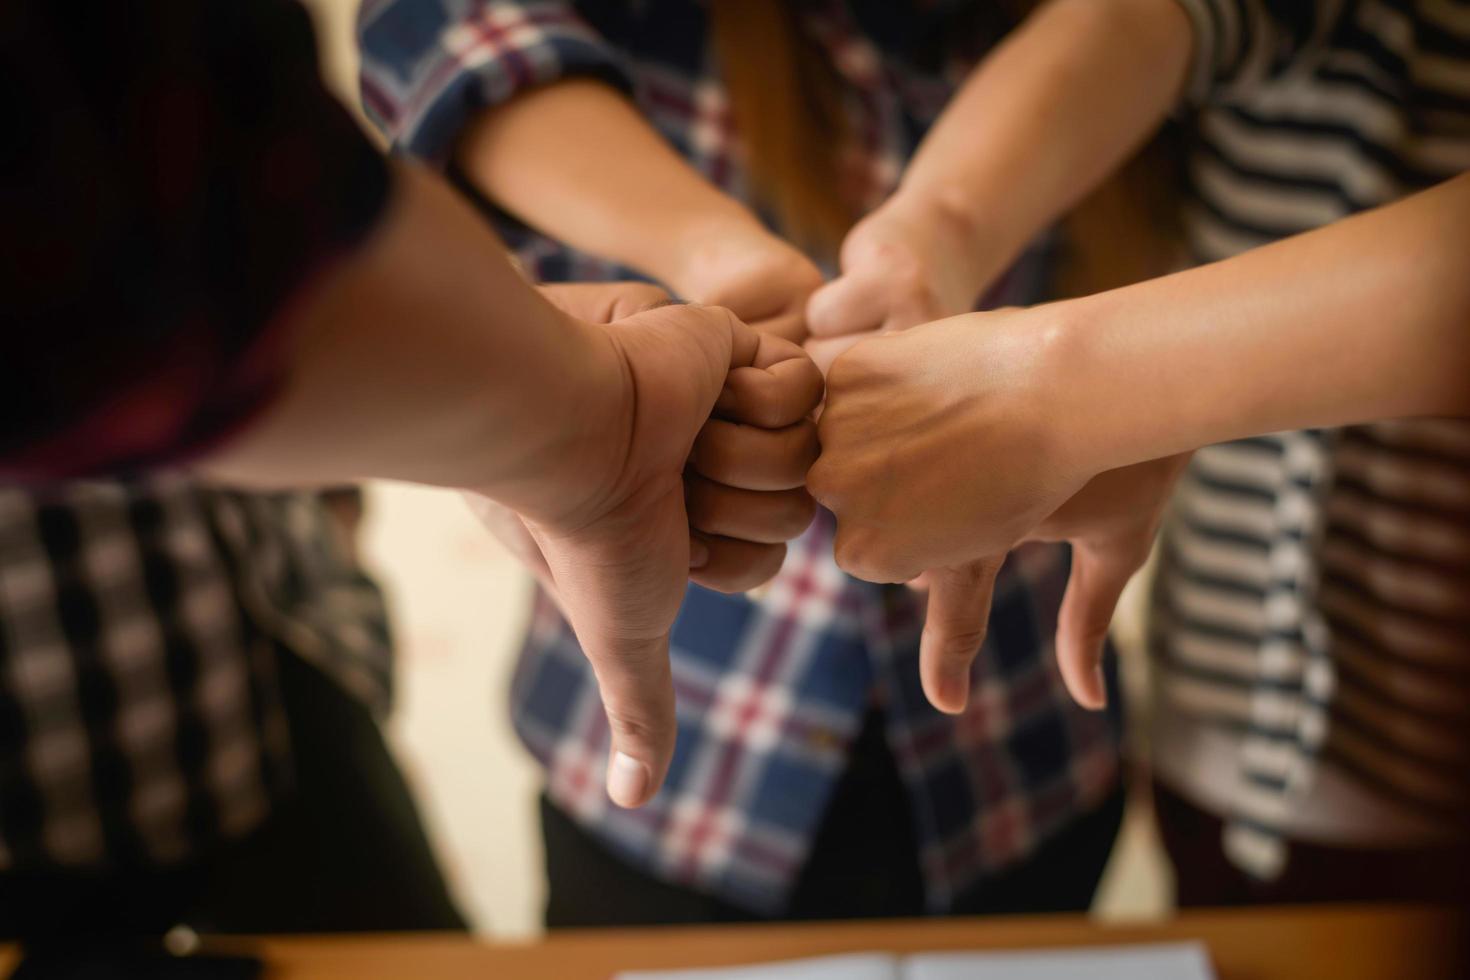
point(1347, 943)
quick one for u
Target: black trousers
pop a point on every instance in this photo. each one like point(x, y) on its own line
point(347, 853)
point(864, 863)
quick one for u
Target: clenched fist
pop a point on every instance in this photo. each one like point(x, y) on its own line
point(943, 447)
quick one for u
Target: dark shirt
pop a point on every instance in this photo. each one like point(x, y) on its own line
point(172, 176)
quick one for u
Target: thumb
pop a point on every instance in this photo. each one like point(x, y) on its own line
point(638, 695)
point(852, 303)
point(621, 592)
point(1096, 583)
point(959, 613)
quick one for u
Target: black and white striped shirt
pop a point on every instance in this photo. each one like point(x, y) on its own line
point(1312, 611)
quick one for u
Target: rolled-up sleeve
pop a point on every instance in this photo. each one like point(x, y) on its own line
point(174, 181)
point(429, 65)
point(1240, 43)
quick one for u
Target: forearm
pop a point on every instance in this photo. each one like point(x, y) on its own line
point(1045, 119)
point(632, 199)
point(1366, 319)
point(426, 357)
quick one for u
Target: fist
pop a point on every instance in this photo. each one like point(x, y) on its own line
point(902, 265)
point(934, 449)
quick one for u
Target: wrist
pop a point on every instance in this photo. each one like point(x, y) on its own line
point(700, 247)
point(962, 231)
point(1108, 419)
point(575, 437)
point(1127, 392)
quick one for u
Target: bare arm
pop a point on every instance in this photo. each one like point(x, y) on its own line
point(1078, 88)
point(1366, 319)
point(427, 358)
point(1037, 126)
point(577, 161)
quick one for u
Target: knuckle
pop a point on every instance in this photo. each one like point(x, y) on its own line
point(859, 555)
point(824, 484)
point(638, 725)
point(962, 644)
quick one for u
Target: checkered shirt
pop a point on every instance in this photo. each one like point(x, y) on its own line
point(770, 691)
point(140, 720)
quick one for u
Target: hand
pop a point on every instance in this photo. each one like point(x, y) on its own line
point(761, 501)
point(593, 303)
point(620, 546)
point(952, 422)
point(907, 263)
point(755, 275)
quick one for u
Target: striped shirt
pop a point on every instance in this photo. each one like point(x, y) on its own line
point(1312, 610)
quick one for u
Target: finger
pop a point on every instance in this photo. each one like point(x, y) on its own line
point(637, 689)
point(1096, 583)
point(824, 351)
point(789, 326)
point(772, 395)
point(631, 664)
point(737, 566)
point(621, 580)
point(954, 631)
point(751, 515)
point(754, 458)
point(912, 310)
point(853, 303)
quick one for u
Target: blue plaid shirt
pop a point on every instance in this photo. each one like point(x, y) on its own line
point(770, 690)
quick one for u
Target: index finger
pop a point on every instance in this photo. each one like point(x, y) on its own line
point(954, 630)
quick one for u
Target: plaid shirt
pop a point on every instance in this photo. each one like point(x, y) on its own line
point(771, 691)
point(140, 721)
point(172, 177)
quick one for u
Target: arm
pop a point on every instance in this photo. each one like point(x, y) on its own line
point(427, 358)
point(536, 116)
point(1080, 404)
point(1366, 319)
point(441, 397)
point(635, 201)
point(1037, 126)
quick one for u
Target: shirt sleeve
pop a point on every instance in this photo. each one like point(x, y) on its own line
point(1240, 43)
point(429, 65)
point(173, 181)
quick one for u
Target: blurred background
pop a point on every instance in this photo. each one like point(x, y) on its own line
point(459, 602)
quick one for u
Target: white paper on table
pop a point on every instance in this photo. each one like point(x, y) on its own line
point(858, 966)
point(1173, 961)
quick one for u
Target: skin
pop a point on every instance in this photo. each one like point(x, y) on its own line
point(1089, 404)
point(1037, 126)
point(426, 357)
point(643, 205)
point(1040, 123)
